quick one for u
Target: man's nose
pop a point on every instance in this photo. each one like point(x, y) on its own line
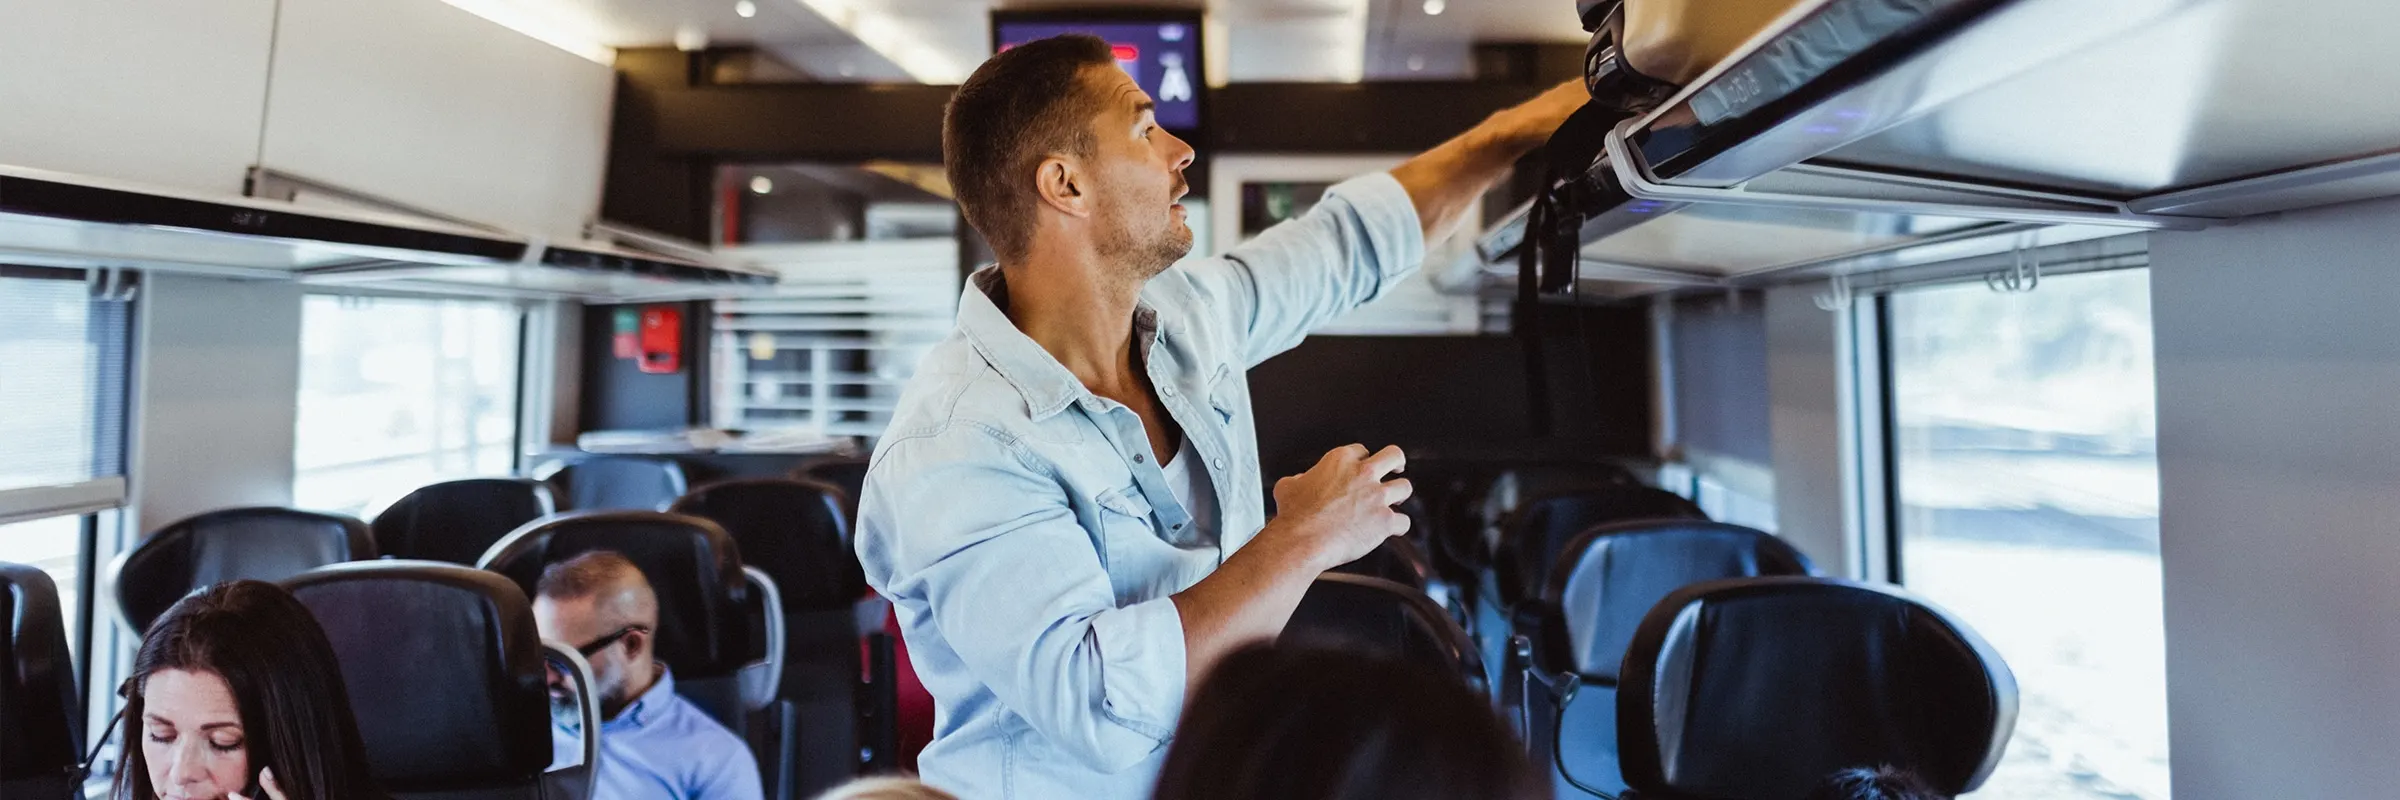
point(1184, 154)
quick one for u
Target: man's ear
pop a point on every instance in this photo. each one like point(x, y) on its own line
point(637, 643)
point(1059, 183)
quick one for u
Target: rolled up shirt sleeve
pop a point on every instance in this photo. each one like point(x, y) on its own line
point(1018, 590)
point(1360, 240)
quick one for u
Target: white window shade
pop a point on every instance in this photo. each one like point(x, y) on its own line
point(63, 348)
point(828, 350)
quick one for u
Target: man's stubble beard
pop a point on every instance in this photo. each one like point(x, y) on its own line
point(1142, 258)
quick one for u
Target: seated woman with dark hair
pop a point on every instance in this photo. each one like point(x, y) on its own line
point(1286, 723)
point(236, 694)
point(1886, 783)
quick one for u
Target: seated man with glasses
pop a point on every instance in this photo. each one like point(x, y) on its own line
point(653, 743)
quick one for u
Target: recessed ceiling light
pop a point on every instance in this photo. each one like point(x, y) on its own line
point(760, 185)
point(1416, 63)
point(746, 9)
point(1434, 8)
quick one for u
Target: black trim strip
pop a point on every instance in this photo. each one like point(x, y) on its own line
point(660, 268)
point(42, 198)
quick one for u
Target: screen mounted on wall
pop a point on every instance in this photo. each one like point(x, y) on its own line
point(1160, 49)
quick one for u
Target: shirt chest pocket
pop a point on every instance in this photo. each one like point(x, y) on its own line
point(1225, 395)
point(1141, 566)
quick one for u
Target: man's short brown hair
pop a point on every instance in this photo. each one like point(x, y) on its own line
point(1022, 105)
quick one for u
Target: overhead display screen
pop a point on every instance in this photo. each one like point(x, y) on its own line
point(1160, 51)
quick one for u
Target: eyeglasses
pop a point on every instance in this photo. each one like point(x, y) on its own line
point(603, 642)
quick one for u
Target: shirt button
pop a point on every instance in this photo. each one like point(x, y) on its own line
point(1220, 463)
point(1140, 459)
point(1168, 391)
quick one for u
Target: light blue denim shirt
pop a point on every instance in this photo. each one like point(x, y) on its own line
point(1028, 539)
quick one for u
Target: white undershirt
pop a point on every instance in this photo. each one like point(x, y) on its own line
point(1188, 480)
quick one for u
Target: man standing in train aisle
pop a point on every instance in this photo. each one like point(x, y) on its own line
point(1064, 509)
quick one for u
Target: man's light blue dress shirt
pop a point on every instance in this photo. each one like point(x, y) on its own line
point(1028, 538)
point(661, 747)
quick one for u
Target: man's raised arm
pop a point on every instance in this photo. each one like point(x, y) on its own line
point(1444, 181)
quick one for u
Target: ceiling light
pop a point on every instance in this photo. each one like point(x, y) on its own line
point(745, 9)
point(760, 185)
point(566, 29)
point(1434, 8)
point(691, 39)
point(1416, 63)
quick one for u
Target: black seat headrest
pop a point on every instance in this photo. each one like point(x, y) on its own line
point(1758, 688)
point(690, 562)
point(449, 695)
point(455, 521)
point(1385, 618)
point(849, 473)
point(1543, 525)
point(268, 544)
point(1396, 560)
point(39, 709)
point(1610, 577)
point(794, 530)
point(641, 483)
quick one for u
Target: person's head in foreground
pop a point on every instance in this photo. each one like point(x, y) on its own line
point(236, 693)
point(1301, 723)
point(888, 787)
point(1884, 783)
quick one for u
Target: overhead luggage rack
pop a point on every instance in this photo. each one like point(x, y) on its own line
point(1853, 131)
point(58, 220)
point(53, 219)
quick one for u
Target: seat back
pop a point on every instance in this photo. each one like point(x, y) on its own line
point(1544, 524)
point(451, 697)
point(796, 532)
point(41, 722)
point(268, 544)
point(1386, 618)
point(848, 473)
point(1759, 687)
point(638, 483)
point(704, 604)
point(455, 521)
point(1397, 560)
point(793, 529)
point(1608, 578)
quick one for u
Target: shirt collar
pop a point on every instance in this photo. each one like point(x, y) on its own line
point(652, 702)
point(1048, 387)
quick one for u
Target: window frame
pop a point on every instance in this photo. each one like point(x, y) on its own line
point(101, 504)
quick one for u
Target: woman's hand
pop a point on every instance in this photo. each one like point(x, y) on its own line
point(266, 787)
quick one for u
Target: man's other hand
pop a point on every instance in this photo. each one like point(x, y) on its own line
point(1342, 507)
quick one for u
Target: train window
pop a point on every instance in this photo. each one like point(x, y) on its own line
point(62, 364)
point(398, 393)
point(2025, 450)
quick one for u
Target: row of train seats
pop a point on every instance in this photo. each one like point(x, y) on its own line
point(1636, 645)
point(1643, 650)
point(764, 615)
